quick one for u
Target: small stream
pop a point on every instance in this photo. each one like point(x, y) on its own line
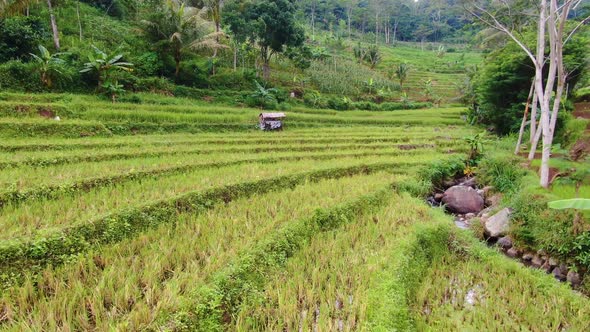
point(536, 260)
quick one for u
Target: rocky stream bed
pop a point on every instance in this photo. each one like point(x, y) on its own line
point(470, 204)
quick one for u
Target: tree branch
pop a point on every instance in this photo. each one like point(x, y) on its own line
point(501, 27)
point(578, 26)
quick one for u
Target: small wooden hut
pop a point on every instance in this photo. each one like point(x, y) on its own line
point(271, 121)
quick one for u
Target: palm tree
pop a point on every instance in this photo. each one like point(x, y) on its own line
point(47, 64)
point(178, 28)
point(214, 8)
point(401, 72)
point(104, 64)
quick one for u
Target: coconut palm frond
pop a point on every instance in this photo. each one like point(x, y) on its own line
point(192, 12)
point(10, 7)
point(209, 44)
point(176, 36)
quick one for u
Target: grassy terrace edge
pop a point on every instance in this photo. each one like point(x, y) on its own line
point(210, 306)
point(54, 191)
point(48, 161)
point(20, 256)
point(72, 146)
point(392, 301)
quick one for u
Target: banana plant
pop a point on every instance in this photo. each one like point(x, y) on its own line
point(47, 64)
point(578, 204)
point(475, 144)
point(263, 94)
point(572, 203)
point(112, 89)
point(104, 64)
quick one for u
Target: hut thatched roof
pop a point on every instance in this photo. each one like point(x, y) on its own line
point(278, 115)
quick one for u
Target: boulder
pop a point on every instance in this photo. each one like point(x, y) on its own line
point(462, 199)
point(498, 224)
point(527, 257)
point(485, 213)
point(574, 278)
point(537, 261)
point(560, 272)
point(493, 200)
point(487, 190)
point(468, 182)
point(513, 252)
point(542, 253)
point(505, 242)
point(553, 262)
point(547, 267)
point(438, 197)
point(450, 183)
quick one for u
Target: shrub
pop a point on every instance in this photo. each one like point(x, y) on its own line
point(538, 227)
point(133, 99)
point(226, 79)
point(568, 130)
point(148, 64)
point(153, 84)
point(19, 36)
point(365, 105)
point(437, 172)
point(18, 76)
point(583, 94)
point(314, 99)
point(394, 106)
point(267, 104)
point(339, 104)
point(192, 74)
point(502, 172)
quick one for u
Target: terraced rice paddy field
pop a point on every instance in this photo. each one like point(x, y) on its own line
point(184, 223)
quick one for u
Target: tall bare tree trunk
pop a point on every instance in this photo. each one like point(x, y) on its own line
point(395, 30)
point(53, 26)
point(535, 142)
point(266, 70)
point(524, 118)
point(552, 19)
point(544, 93)
point(79, 20)
point(556, 71)
point(348, 16)
point(377, 28)
point(177, 59)
point(313, 21)
point(533, 130)
point(235, 58)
